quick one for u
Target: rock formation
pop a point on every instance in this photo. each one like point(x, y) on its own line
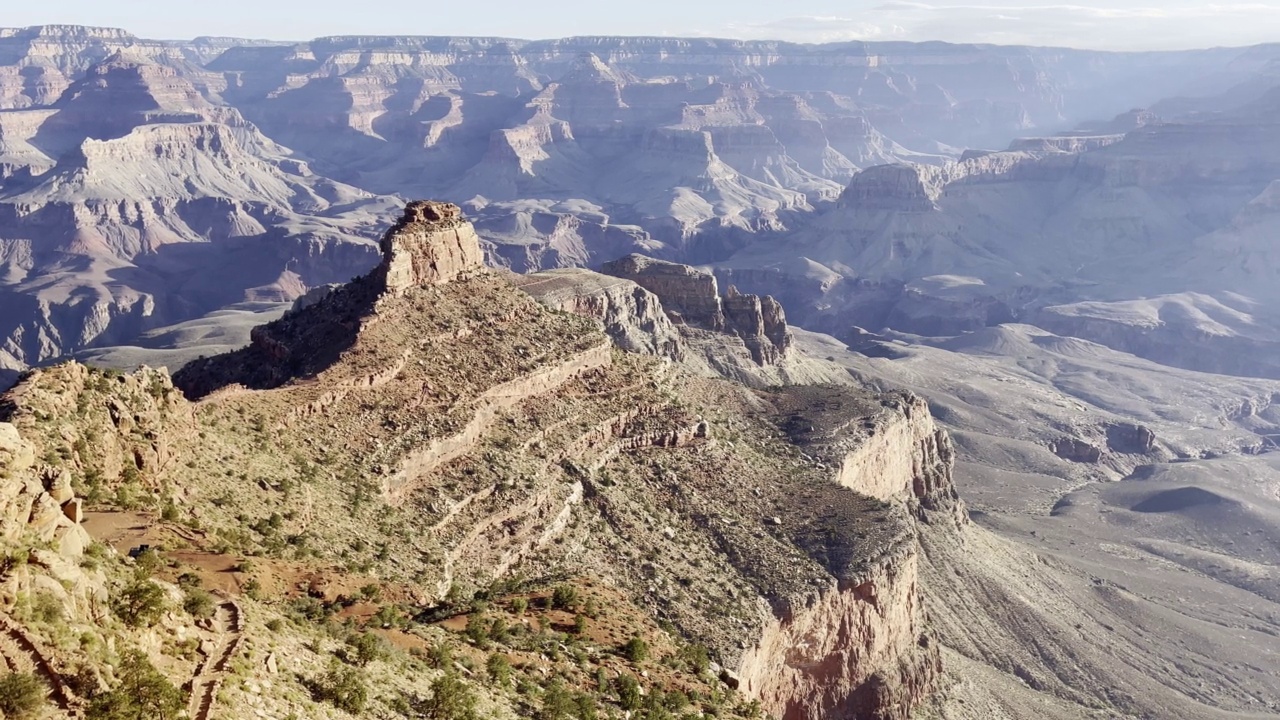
point(632, 316)
point(431, 245)
point(692, 297)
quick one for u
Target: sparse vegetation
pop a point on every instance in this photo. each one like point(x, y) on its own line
point(198, 603)
point(636, 650)
point(364, 648)
point(451, 699)
point(343, 687)
point(22, 695)
point(142, 693)
point(140, 603)
point(499, 669)
point(564, 597)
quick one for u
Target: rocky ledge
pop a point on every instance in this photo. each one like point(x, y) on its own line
point(691, 296)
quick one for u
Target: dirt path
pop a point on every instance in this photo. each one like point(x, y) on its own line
point(228, 628)
point(22, 653)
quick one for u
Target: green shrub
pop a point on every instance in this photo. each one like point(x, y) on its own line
point(343, 687)
point(140, 603)
point(697, 658)
point(636, 650)
point(499, 668)
point(564, 597)
point(586, 706)
point(148, 562)
point(557, 703)
point(46, 608)
point(498, 630)
point(440, 657)
point(252, 589)
point(451, 699)
point(364, 648)
point(198, 603)
point(519, 605)
point(21, 695)
point(628, 689)
point(142, 694)
point(478, 630)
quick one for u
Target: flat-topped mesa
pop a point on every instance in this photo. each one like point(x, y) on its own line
point(902, 187)
point(691, 297)
point(431, 245)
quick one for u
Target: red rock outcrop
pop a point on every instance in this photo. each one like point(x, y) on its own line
point(431, 245)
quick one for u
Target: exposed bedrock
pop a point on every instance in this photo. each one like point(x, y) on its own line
point(856, 651)
point(861, 648)
point(632, 316)
point(692, 296)
point(431, 245)
point(687, 294)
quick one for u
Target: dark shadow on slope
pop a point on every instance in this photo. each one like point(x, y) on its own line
point(301, 344)
point(1180, 500)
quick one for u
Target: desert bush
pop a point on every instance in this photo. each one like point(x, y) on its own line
point(697, 658)
point(148, 562)
point(440, 657)
point(364, 648)
point(564, 597)
point(636, 650)
point(21, 695)
point(198, 603)
point(478, 630)
point(499, 668)
point(557, 703)
point(141, 694)
point(343, 687)
point(628, 689)
point(46, 608)
point(140, 603)
point(451, 699)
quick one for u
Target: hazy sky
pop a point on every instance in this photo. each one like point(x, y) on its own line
point(1121, 24)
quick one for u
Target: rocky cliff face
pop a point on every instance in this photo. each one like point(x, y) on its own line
point(692, 296)
point(431, 245)
point(632, 316)
point(862, 648)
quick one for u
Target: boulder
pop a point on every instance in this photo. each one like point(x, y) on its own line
point(59, 487)
point(16, 454)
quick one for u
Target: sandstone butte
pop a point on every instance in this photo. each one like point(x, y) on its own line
point(425, 454)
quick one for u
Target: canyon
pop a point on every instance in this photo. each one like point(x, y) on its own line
point(714, 333)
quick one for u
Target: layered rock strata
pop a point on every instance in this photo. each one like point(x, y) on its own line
point(632, 316)
point(692, 296)
point(445, 428)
